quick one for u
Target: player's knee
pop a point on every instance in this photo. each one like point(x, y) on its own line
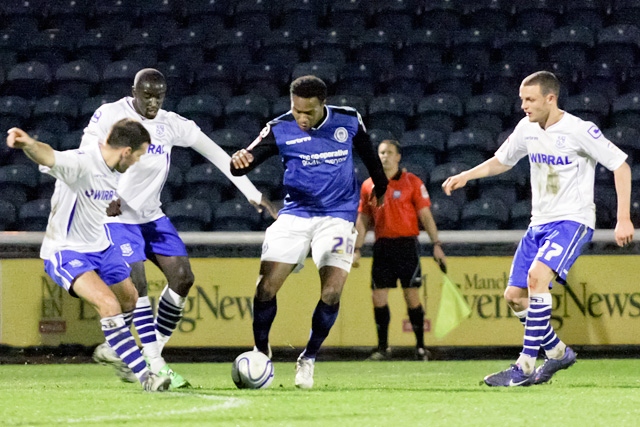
point(182, 282)
point(109, 306)
point(331, 296)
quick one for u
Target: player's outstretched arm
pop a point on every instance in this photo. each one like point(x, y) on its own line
point(624, 227)
point(490, 167)
point(37, 151)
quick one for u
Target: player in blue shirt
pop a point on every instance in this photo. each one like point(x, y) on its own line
point(315, 142)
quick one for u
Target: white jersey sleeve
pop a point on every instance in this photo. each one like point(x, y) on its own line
point(68, 166)
point(220, 159)
point(590, 139)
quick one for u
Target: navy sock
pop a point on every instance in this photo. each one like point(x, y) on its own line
point(324, 316)
point(382, 317)
point(416, 317)
point(263, 314)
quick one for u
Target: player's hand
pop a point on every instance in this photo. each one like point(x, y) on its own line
point(624, 232)
point(453, 183)
point(440, 258)
point(356, 258)
point(265, 203)
point(17, 138)
point(114, 208)
point(241, 159)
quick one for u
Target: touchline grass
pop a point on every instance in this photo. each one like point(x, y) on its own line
point(591, 393)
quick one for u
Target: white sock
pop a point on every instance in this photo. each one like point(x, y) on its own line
point(527, 363)
point(557, 352)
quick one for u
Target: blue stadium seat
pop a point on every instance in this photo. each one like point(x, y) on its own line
point(231, 140)
point(424, 46)
point(375, 48)
point(70, 141)
point(488, 112)
point(360, 169)
point(330, 45)
point(11, 42)
point(617, 45)
point(179, 77)
point(267, 177)
point(571, 45)
point(68, 15)
point(90, 105)
point(635, 208)
point(625, 111)
point(23, 16)
point(118, 76)
point(45, 187)
point(353, 101)
point(593, 107)
point(55, 114)
point(252, 16)
point(457, 79)
point(604, 79)
point(502, 78)
point(505, 186)
point(29, 80)
point(34, 215)
point(140, 45)
point(326, 71)
point(281, 105)
point(605, 201)
point(76, 79)
point(394, 16)
point(391, 112)
point(406, 79)
point(301, 16)
point(230, 47)
point(7, 215)
point(185, 46)
point(160, 14)
point(625, 12)
point(484, 214)
point(470, 145)
point(439, 174)
point(218, 79)
point(266, 80)
point(587, 13)
point(472, 47)
point(445, 211)
point(627, 139)
point(520, 215)
point(418, 169)
point(280, 47)
point(348, 15)
point(52, 47)
point(182, 158)
point(236, 215)
point(97, 45)
point(14, 112)
point(443, 14)
point(189, 214)
point(521, 47)
point(379, 135)
point(487, 14)
point(119, 15)
point(539, 16)
point(441, 111)
point(357, 79)
point(246, 112)
point(17, 182)
point(210, 13)
point(205, 110)
point(423, 146)
point(208, 174)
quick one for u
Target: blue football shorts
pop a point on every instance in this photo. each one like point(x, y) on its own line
point(64, 266)
point(556, 244)
point(138, 241)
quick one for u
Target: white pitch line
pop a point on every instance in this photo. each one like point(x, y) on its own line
point(223, 403)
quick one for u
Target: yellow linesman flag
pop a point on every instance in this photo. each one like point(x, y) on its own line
point(453, 308)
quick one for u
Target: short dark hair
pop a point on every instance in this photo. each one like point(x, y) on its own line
point(309, 87)
point(150, 75)
point(547, 81)
point(128, 133)
point(393, 142)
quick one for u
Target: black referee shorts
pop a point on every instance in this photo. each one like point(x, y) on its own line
point(396, 259)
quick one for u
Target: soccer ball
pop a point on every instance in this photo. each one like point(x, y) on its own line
point(252, 369)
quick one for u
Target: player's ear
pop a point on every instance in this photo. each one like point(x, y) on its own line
point(126, 152)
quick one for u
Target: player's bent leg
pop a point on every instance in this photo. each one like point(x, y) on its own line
point(177, 270)
point(272, 277)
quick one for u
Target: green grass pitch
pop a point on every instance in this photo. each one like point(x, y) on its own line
point(600, 392)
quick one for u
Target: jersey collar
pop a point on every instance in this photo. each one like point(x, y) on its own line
point(324, 119)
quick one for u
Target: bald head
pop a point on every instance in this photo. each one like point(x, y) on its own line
point(149, 90)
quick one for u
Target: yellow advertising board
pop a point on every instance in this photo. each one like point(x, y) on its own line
point(601, 305)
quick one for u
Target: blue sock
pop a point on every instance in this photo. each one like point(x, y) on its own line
point(263, 314)
point(324, 316)
point(119, 337)
point(550, 340)
point(143, 320)
point(128, 318)
point(537, 325)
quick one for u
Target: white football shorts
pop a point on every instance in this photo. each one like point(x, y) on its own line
point(330, 239)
